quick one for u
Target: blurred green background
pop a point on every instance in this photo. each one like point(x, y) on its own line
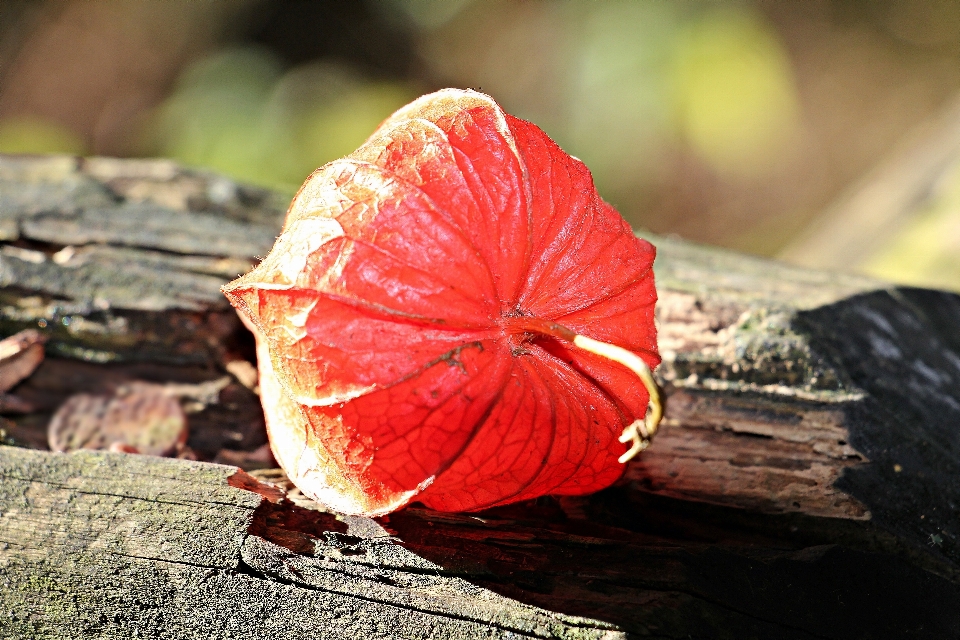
point(758, 125)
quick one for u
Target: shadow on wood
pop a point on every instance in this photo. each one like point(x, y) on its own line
point(902, 347)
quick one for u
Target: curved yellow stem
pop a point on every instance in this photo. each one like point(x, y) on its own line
point(640, 431)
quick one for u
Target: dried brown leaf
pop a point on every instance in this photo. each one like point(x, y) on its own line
point(138, 417)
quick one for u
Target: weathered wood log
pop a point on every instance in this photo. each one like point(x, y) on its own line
point(806, 483)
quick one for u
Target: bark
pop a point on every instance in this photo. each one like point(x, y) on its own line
point(806, 483)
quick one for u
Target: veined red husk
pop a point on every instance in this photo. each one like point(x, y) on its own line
point(403, 318)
